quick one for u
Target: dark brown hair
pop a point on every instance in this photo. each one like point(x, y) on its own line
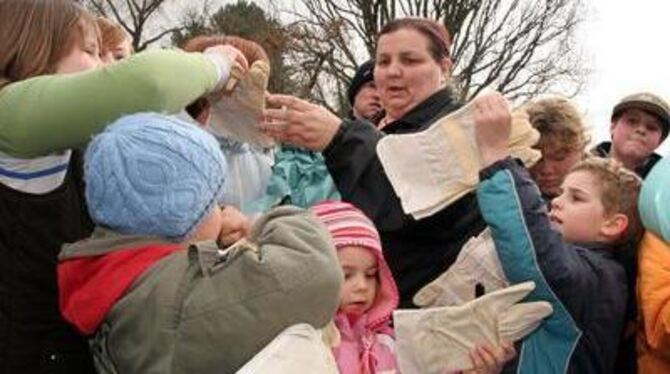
point(438, 36)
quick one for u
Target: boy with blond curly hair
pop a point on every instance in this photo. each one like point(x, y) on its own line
point(563, 140)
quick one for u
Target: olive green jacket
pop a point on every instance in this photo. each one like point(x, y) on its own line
point(200, 310)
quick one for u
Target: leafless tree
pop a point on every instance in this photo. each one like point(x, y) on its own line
point(144, 20)
point(522, 48)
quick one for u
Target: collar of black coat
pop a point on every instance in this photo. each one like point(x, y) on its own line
point(600, 247)
point(424, 114)
point(603, 150)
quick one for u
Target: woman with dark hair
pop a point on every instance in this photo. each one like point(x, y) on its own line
point(412, 74)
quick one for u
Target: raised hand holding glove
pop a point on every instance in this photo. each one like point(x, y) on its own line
point(437, 339)
point(477, 263)
point(493, 124)
point(432, 169)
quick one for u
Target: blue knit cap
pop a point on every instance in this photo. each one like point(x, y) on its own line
point(149, 174)
point(655, 199)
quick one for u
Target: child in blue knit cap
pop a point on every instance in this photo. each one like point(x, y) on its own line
point(151, 287)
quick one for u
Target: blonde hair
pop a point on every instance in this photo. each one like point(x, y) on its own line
point(559, 123)
point(620, 189)
point(112, 35)
point(36, 34)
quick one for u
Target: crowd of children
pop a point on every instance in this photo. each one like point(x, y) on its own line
point(123, 248)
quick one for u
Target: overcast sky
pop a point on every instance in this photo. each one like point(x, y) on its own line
point(626, 44)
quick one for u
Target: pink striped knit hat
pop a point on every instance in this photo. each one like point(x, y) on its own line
point(347, 225)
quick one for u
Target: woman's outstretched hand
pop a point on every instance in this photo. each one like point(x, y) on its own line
point(291, 120)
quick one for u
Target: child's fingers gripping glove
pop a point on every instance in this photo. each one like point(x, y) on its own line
point(438, 339)
point(477, 263)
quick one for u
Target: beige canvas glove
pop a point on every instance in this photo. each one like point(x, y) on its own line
point(477, 263)
point(298, 349)
point(239, 110)
point(437, 165)
point(432, 169)
point(437, 339)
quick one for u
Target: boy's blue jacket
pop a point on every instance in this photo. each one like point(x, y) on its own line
point(584, 283)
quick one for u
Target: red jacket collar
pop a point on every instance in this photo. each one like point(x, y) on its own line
point(90, 285)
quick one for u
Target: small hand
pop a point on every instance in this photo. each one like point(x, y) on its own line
point(491, 359)
point(234, 227)
point(239, 66)
point(493, 122)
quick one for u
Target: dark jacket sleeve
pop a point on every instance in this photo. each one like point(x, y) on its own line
point(351, 158)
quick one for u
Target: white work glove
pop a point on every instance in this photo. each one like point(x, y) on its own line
point(239, 111)
point(434, 168)
point(477, 263)
point(437, 339)
point(298, 349)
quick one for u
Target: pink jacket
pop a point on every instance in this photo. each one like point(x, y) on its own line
point(367, 345)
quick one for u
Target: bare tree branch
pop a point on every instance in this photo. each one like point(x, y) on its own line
point(135, 16)
point(519, 47)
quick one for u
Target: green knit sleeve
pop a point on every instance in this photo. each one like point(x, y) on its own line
point(54, 112)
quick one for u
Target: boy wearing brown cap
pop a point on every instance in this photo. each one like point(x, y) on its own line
point(640, 123)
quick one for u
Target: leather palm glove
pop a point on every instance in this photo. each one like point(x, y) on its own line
point(437, 339)
point(477, 264)
point(238, 113)
point(432, 169)
point(237, 109)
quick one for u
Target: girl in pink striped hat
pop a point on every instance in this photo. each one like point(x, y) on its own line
point(369, 294)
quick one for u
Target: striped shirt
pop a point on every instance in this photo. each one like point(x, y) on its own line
point(38, 175)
